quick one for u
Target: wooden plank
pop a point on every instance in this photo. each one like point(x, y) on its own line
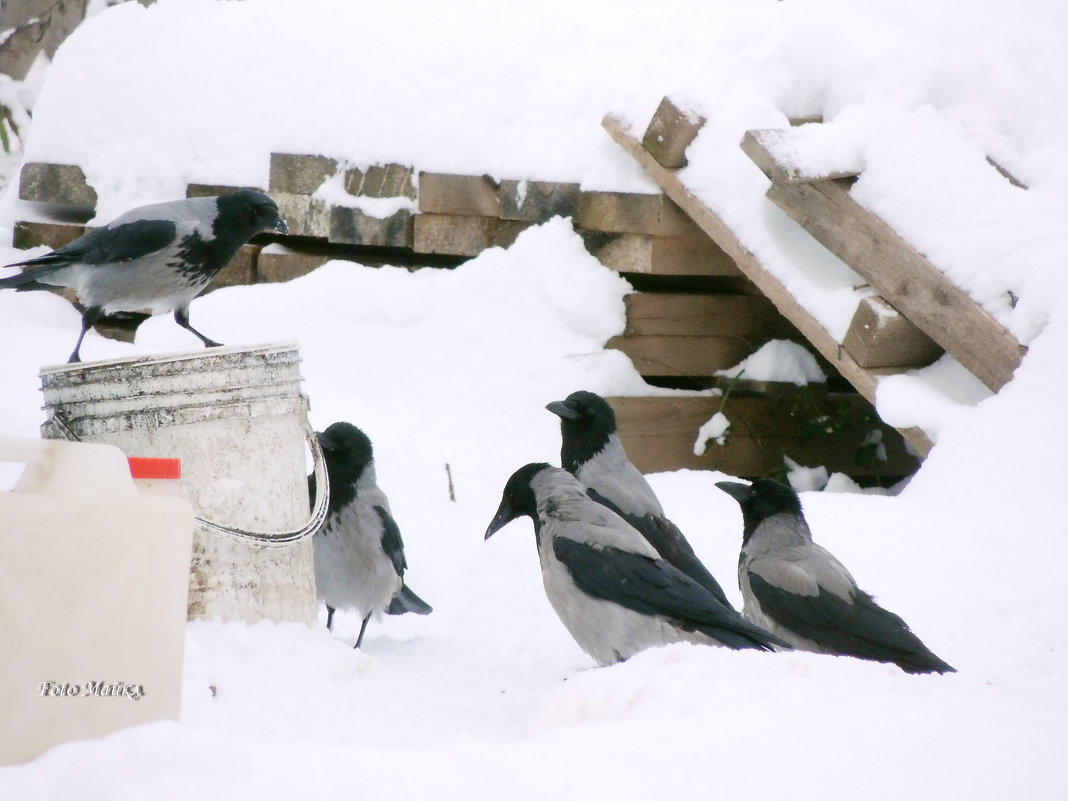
point(761, 146)
point(631, 213)
point(689, 254)
point(678, 314)
point(898, 272)
point(670, 132)
point(879, 336)
point(864, 381)
point(659, 433)
point(675, 356)
point(471, 195)
point(916, 288)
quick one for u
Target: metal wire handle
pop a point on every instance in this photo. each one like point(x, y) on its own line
point(264, 538)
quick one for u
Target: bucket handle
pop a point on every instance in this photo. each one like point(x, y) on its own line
point(265, 538)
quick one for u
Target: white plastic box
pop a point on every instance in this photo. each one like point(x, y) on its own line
point(94, 577)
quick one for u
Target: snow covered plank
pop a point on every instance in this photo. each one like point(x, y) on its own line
point(863, 380)
point(659, 434)
point(355, 227)
point(879, 336)
point(689, 254)
point(681, 314)
point(897, 271)
point(760, 147)
point(381, 180)
point(670, 132)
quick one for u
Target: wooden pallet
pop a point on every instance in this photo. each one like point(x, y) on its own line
point(863, 379)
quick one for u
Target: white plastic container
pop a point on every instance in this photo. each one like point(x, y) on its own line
point(94, 577)
point(237, 419)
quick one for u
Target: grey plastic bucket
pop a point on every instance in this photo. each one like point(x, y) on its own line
point(237, 419)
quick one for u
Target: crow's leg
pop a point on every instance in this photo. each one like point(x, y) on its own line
point(363, 628)
point(181, 316)
point(89, 318)
point(329, 617)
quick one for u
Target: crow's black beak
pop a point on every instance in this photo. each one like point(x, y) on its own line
point(504, 516)
point(561, 409)
point(737, 491)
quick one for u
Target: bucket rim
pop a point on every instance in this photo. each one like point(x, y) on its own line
point(169, 357)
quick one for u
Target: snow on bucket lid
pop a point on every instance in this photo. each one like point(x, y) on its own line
point(145, 467)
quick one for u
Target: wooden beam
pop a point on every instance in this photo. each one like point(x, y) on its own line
point(897, 271)
point(864, 381)
point(879, 336)
point(683, 356)
point(659, 433)
point(685, 314)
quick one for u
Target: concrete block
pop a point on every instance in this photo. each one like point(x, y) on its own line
point(627, 212)
point(381, 180)
point(537, 201)
point(56, 183)
point(30, 234)
point(353, 226)
point(276, 263)
point(300, 175)
point(452, 234)
point(670, 132)
point(304, 214)
point(474, 195)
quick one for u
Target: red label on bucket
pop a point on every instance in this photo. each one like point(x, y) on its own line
point(145, 467)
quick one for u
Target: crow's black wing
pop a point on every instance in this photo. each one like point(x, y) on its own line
point(859, 628)
point(654, 587)
point(670, 543)
point(392, 543)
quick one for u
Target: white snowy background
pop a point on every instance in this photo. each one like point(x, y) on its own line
point(488, 697)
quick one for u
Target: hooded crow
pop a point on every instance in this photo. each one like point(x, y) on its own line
point(591, 451)
point(153, 258)
point(608, 585)
point(358, 551)
point(796, 589)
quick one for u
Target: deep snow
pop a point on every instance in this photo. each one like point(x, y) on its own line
point(488, 695)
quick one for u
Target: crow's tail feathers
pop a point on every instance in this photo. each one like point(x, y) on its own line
point(30, 277)
point(407, 601)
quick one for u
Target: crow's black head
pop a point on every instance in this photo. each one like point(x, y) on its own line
point(347, 451)
point(586, 423)
point(762, 499)
point(517, 499)
point(245, 213)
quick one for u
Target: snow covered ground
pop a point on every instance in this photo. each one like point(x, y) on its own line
point(488, 696)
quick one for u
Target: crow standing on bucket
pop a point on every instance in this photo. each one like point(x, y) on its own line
point(797, 590)
point(591, 451)
point(607, 584)
point(153, 258)
point(359, 554)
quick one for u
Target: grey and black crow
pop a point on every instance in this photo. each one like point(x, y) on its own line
point(608, 585)
point(358, 551)
point(797, 590)
point(592, 452)
point(154, 258)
